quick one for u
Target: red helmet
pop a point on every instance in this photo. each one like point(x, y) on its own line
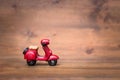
point(45, 42)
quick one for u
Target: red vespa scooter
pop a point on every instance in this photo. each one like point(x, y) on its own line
point(31, 54)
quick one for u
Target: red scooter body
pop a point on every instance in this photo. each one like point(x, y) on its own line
point(31, 54)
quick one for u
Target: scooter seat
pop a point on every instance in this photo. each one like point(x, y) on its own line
point(33, 47)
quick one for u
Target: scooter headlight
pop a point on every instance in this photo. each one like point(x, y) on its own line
point(45, 42)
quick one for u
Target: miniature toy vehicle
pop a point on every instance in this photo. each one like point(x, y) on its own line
point(31, 54)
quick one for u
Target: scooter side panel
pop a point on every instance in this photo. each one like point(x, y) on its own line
point(30, 56)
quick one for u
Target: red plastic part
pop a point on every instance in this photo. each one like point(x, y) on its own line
point(32, 54)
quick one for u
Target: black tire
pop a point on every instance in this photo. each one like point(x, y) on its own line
point(52, 62)
point(31, 62)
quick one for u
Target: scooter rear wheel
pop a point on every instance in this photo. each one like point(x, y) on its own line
point(52, 62)
point(31, 62)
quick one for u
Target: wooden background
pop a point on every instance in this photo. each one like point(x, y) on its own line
point(84, 33)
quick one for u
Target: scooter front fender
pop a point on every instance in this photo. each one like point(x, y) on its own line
point(53, 57)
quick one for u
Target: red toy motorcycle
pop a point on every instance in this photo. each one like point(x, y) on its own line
point(31, 54)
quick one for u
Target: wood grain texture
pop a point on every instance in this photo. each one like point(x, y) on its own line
point(84, 33)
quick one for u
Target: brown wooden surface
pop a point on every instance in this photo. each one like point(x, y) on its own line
point(84, 33)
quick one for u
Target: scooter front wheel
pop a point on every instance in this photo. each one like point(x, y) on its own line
point(52, 62)
point(31, 62)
